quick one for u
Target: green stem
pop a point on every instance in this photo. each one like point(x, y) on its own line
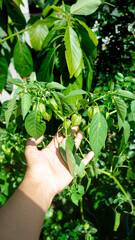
point(121, 188)
point(15, 34)
point(81, 210)
point(109, 4)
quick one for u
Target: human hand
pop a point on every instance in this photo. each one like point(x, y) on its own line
point(47, 165)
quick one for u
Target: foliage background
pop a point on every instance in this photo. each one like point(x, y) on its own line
point(101, 202)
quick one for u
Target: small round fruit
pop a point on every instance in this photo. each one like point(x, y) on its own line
point(76, 119)
point(90, 112)
point(42, 108)
point(52, 104)
point(66, 123)
point(48, 114)
point(68, 131)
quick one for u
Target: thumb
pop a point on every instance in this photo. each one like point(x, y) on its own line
point(88, 158)
point(31, 144)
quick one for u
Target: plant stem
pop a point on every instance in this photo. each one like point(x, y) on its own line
point(121, 188)
point(15, 34)
point(109, 4)
point(81, 210)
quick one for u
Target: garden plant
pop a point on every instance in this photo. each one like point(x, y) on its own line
point(66, 78)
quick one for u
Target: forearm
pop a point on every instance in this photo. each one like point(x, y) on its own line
point(23, 215)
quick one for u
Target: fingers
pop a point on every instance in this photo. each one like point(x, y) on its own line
point(78, 139)
point(88, 158)
point(32, 143)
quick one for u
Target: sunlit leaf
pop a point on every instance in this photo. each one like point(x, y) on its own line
point(85, 8)
point(120, 107)
point(25, 104)
point(98, 132)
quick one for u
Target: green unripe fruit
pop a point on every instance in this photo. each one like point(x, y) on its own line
point(48, 114)
point(52, 104)
point(42, 108)
point(66, 124)
point(90, 112)
point(34, 106)
point(68, 131)
point(76, 119)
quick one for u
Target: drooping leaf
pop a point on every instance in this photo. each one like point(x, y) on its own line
point(76, 92)
point(120, 122)
point(117, 220)
point(22, 59)
point(38, 33)
point(55, 85)
point(130, 174)
point(88, 42)
point(73, 51)
point(46, 68)
point(1, 1)
point(70, 144)
point(33, 127)
point(120, 107)
point(3, 72)
point(98, 132)
point(85, 8)
point(57, 9)
point(133, 106)
point(63, 152)
point(25, 104)
point(79, 167)
point(9, 111)
point(89, 31)
point(71, 86)
point(126, 94)
point(70, 161)
point(17, 82)
point(125, 136)
point(15, 14)
point(89, 73)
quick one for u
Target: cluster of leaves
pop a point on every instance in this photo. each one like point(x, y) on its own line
point(60, 49)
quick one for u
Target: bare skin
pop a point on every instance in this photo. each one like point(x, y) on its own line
point(46, 175)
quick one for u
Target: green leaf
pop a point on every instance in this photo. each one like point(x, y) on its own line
point(57, 9)
point(17, 82)
point(73, 51)
point(71, 85)
point(130, 174)
point(25, 103)
point(1, 1)
point(133, 106)
point(55, 85)
point(120, 107)
point(125, 136)
point(70, 161)
point(9, 111)
point(76, 92)
point(70, 144)
point(38, 33)
point(85, 8)
point(126, 94)
point(117, 220)
point(89, 73)
point(79, 167)
point(22, 59)
point(89, 31)
point(46, 68)
point(98, 132)
point(63, 152)
point(3, 72)
point(33, 127)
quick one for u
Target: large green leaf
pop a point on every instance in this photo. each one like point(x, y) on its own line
point(126, 94)
point(133, 106)
point(22, 59)
point(89, 31)
point(15, 14)
point(88, 73)
point(38, 33)
point(120, 107)
point(73, 52)
point(85, 7)
point(3, 72)
point(88, 42)
point(9, 111)
point(33, 127)
point(25, 104)
point(98, 132)
point(46, 68)
point(73, 86)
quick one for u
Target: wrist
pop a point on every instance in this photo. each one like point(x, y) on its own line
point(37, 190)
